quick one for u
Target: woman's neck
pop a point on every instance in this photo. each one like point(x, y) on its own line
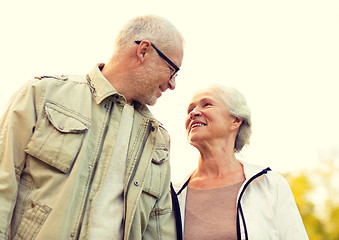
point(217, 168)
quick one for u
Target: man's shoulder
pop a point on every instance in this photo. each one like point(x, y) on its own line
point(80, 79)
point(67, 84)
point(68, 90)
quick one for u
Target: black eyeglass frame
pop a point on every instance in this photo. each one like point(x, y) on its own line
point(163, 56)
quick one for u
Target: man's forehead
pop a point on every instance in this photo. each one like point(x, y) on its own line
point(177, 53)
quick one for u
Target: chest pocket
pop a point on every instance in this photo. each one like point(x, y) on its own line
point(155, 178)
point(58, 137)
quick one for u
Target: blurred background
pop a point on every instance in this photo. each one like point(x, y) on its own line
point(282, 55)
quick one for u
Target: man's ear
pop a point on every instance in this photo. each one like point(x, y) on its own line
point(236, 123)
point(142, 49)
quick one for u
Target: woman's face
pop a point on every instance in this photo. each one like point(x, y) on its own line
point(208, 118)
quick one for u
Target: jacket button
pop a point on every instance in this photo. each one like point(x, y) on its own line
point(136, 183)
point(72, 235)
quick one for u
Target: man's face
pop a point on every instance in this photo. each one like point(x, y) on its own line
point(146, 89)
point(155, 78)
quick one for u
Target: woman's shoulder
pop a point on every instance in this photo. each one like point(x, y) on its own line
point(270, 175)
point(179, 185)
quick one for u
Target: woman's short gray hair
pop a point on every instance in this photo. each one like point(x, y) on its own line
point(158, 30)
point(237, 107)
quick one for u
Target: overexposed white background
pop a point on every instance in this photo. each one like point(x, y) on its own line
point(282, 55)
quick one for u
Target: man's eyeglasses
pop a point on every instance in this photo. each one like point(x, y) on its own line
point(163, 56)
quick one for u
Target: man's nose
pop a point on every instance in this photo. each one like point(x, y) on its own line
point(171, 83)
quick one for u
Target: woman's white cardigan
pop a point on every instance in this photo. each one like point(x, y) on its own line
point(266, 208)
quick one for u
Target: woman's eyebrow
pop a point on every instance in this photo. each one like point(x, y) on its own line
point(190, 106)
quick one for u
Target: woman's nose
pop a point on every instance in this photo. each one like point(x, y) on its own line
point(195, 113)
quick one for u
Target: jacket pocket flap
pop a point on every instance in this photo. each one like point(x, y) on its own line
point(154, 179)
point(161, 155)
point(58, 137)
point(64, 121)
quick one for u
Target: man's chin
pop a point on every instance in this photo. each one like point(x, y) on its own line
point(152, 102)
point(148, 102)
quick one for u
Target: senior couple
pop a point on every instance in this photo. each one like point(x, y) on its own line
point(82, 157)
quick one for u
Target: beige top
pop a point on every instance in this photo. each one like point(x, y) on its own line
point(108, 210)
point(211, 213)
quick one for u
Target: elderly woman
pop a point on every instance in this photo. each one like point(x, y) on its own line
point(226, 198)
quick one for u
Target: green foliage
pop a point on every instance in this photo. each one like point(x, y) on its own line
point(316, 195)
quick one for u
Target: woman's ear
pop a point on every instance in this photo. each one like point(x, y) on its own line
point(142, 49)
point(236, 123)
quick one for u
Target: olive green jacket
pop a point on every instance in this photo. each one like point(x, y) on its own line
point(53, 135)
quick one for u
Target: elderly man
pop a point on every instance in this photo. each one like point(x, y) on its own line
point(82, 157)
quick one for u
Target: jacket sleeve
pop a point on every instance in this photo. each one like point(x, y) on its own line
point(289, 221)
point(16, 127)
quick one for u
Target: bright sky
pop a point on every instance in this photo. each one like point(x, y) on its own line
point(282, 55)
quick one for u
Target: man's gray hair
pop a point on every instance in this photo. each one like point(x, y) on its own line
point(157, 30)
point(237, 107)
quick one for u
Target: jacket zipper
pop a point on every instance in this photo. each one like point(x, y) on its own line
point(239, 208)
point(144, 139)
point(77, 235)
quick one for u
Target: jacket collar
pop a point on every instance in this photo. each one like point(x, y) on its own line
point(99, 85)
point(101, 89)
point(250, 171)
